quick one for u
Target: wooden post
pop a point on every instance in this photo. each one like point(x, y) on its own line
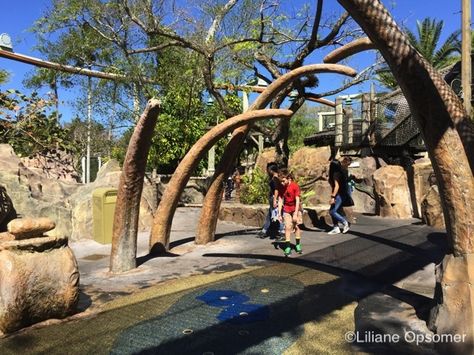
point(89, 127)
point(372, 114)
point(338, 123)
point(365, 118)
point(245, 101)
point(320, 122)
point(350, 124)
point(260, 143)
point(211, 161)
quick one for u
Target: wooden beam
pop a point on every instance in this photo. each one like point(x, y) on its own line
point(66, 68)
point(118, 77)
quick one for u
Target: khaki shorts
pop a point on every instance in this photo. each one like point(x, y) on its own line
point(288, 218)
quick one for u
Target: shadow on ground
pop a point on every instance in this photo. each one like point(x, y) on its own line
point(271, 305)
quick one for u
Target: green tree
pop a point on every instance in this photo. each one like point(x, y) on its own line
point(427, 41)
point(98, 34)
point(224, 40)
point(30, 124)
point(254, 187)
point(303, 124)
point(3, 76)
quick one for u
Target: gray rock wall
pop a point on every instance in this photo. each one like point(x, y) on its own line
point(68, 203)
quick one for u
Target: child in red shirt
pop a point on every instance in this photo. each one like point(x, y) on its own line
point(289, 198)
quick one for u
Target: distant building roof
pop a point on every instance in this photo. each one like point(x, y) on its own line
point(321, 139)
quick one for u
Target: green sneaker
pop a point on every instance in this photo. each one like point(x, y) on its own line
point(287, 251)
point(299, 249)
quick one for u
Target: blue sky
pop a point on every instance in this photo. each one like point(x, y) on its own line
point(16, 16)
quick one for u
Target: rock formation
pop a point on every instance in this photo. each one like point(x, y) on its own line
point(431, 209)
point(39, 275)
point(36, 193)
point(392, 193)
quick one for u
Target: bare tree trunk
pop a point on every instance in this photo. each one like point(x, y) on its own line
point(160, 233)
point(210, 211)
point(124, 237)
point(449, 137)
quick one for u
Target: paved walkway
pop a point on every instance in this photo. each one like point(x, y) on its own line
point(238, 294)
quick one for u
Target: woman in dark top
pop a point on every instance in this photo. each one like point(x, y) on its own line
point(340, 196)
point(272, 215)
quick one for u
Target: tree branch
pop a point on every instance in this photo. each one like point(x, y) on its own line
point(361, 76)
point(335, 30)
point(217, 21)
point(134, 18)
point(157, 48)
point(310, 46)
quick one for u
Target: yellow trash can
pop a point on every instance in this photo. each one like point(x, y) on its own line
point(103, 208)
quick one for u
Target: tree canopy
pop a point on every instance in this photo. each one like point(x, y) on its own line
point(188, 51)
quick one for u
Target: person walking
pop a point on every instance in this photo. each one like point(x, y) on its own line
point(289, 206)
point(228, 187)
point(272, 214)
point(340, 196)
point(237, 179)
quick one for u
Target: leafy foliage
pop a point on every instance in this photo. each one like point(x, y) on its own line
point(181, 123)
point(29, 125)
point(3, 76)
point(302, 124)
point(426, 41)
point(254, 187)
point(183, 48)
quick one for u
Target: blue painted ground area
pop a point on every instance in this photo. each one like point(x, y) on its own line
point(234, 307)
point(243, 315)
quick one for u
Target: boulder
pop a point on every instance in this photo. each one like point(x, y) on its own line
point(35, 188)
point(322, 192)
point(81, 202)
point(267, 156)
point(391, 192)
point(248, 215)
point(6, 236)
point(9, 159)
point(55, 165)
point(366, 168)
point(422, 180)
point(34, 194)
point(431, 209)
point(309, 161)
point(310, 167)
point(363, 202)
point(454, 310)
point(40, 280)
point(23, 228)
point(26, 205)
